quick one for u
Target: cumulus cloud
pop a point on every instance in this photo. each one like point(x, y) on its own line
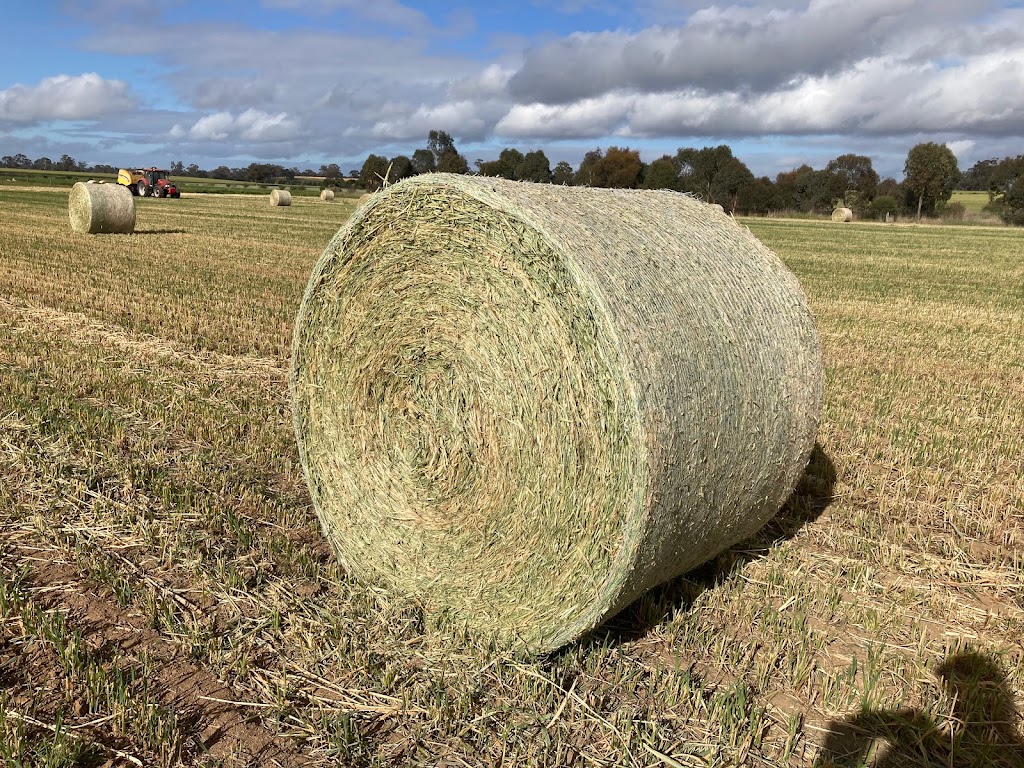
point(874, 96)
point(467, 119)
point(587, 118)
point(251, 125)
point(731, 48)
point(65, 97)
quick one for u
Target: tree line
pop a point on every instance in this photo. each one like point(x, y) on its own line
point(713, 174)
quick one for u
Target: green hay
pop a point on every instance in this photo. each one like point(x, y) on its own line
point(101, 209)
point(525, 405)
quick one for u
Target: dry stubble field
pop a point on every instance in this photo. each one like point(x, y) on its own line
point(166, 597)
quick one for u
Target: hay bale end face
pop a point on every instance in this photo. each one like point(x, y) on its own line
point(527, 404)
point(280, 197)
point(842, 215)
point(101, 209)
point(327, 195)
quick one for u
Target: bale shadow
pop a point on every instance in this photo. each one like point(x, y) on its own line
point(811, 497)
point(159, 232)
point(982, 729)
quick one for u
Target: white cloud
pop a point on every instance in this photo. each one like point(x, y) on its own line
point(216, 127)
point(490, 83)
point(251, 125)
point(586, 118)
point(874, 97)
point(754, 48)
point(961, 148)
point(467, 120)
point(65, 97)
point(255, 125)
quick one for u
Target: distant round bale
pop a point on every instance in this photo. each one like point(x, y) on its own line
point(365, 197)
point(842, 214)
point(717, 207)
point(280, 197)
point(527, 404)
point(327, 195)
point(101, 209)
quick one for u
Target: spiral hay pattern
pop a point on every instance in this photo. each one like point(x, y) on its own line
point(327, 195)
point(101, 209)
point(280, 197)
point(842, 215)
point(526, 404)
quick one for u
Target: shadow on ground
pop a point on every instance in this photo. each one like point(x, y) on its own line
point(812, 496)
point(981, 731)
point(159, 232)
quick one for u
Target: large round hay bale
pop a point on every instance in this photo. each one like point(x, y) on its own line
point(327, 195)
point(101, 208)
point(280, 197)
point(526, 404)
point(842, 214)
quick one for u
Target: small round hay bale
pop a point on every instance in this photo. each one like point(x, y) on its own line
point(101, 209)
point(716, 207)
point(280, 197)
point(526, 404)
point(842, 214)
point(365, 197)
point(327, 195)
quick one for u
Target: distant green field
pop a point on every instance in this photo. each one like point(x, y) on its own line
point(974, 202)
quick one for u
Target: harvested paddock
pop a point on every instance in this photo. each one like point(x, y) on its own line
point(152, 490)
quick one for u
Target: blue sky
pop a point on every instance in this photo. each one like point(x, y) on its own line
point(308, 82)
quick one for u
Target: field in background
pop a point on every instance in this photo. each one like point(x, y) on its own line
point(974, 202)
point(305, 185)
point(166, 597)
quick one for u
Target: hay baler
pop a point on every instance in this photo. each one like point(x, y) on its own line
point(146, 182)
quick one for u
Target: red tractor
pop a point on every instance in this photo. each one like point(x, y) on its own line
point(148, 181)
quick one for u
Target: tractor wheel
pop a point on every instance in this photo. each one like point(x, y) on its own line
point(159, 192)
point(143, 189)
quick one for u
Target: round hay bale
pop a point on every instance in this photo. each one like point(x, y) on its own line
point(101, 208)
point(842, 214)
point(280, 197)
point(717, 207)
point(327, 195)
point(366, 196)
point(526, 404)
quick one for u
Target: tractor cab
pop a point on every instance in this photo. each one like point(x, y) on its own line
point(154, 176)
